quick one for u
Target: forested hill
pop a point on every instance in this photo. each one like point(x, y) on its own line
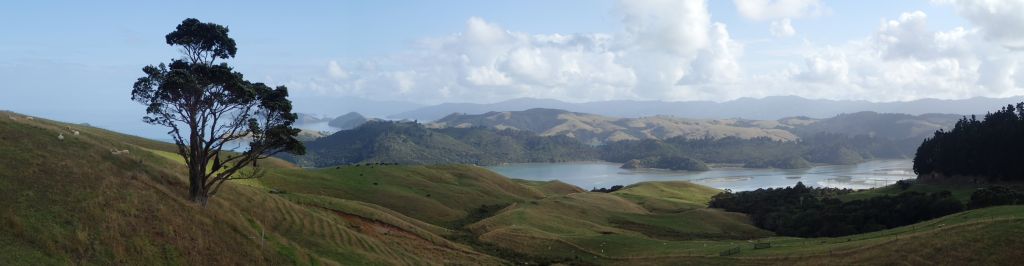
point(976, 150)
point(412, 143)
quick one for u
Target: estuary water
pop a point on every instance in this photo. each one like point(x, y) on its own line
point(589, 175)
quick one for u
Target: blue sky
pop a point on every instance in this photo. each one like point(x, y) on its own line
point(77, 59)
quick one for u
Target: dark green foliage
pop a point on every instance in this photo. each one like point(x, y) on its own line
point(988, 149)
point(814, 212)
point(994, 196)
point(607, 190)
point(202, 42)
point(412, 143)
point(904, 184)
point(208, 106)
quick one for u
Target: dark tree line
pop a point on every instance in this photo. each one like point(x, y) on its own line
point(815, 212)
point(989, 149)
point(608, 190)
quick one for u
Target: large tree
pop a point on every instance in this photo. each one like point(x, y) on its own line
point(210, 108)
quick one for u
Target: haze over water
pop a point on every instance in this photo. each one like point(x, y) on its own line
point(589, 175)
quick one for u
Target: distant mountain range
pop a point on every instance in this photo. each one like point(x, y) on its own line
point(768, 108)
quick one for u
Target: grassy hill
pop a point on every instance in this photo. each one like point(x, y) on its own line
point(412, 143)
point(883, 125)
point(596, 129)
point(75, 202)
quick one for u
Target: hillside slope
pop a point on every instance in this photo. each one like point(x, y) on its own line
point(412, 143)
point(596, 129)
point(73, 201)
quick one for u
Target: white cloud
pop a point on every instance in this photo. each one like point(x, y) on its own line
point(672, 50)
point(334, 70)
point(777, 9)
point(906, 60)
point(677, 27)
point(1001, 21)
point(828, 66)
point(718, 62)
point(782, 28)
point(667, 49)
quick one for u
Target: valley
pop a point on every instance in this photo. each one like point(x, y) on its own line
point(405, 214)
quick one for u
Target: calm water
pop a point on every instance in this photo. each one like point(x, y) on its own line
point(588, 175)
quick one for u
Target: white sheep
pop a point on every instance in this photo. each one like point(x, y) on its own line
point(13, 118)
point(60, 137)
point(29, 118)
point(76, 132)
point(118, 152)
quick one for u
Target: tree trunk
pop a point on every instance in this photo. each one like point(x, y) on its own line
point(196, 192)
point(197, 171)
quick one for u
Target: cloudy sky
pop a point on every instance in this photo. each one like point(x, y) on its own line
point(63, 57)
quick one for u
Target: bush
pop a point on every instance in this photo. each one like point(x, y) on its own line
point(904, 184)
point(607, 190)
point(812, 212)
point(994, 196)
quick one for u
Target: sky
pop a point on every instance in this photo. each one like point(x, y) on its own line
point(78, 59)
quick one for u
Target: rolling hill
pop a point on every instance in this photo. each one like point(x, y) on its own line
point(412, 143)
point(597, 129)
point(347, 121)
point(548, 135)
point(882, 125)
point(73, 201)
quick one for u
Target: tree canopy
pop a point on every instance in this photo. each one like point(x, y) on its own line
point(981, 150)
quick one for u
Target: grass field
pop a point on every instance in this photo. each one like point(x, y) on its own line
point(74, 202)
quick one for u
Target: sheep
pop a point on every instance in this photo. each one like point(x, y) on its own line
point(29, 118)
point(76, 132)
point(118, 152)
point(60, 137)
point(12, 117)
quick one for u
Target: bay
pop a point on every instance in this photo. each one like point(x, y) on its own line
point(588, 175)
